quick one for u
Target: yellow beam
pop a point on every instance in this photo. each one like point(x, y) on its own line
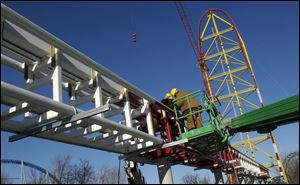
point(205, 27)
point(221, 53)
point(238, 92)
point(226, 73)
point(262, 138)
point(224, 52)
point(221, 19)
point(214, 35)
point(264, 153)
point(237, 77)
point(227, 106)
point(270, 165)
point(252, 105)
point(226, 38)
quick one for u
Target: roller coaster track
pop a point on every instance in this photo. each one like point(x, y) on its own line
point(146, 134)
point(288, 161)
point(36, 167)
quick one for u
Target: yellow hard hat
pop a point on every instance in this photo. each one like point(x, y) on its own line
point(173, 91)
point(168, 96)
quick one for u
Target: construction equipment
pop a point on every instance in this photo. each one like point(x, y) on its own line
point(211, 137)
point(148, 132)
point(134, 173)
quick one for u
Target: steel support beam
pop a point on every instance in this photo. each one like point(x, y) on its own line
point(127, 110)
point(15, 111)
point(60, 123)
point(148, 117)
point(12, 62)
point(165, 173)
point(218, 176)
point(267, 118)
point(17, 19)
point(35, 99)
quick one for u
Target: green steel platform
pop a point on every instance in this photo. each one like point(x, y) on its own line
point(210, 138)
point(267, 118)
point(213, 137)
point(207, 140)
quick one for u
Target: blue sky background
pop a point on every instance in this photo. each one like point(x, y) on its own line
point(163, 58)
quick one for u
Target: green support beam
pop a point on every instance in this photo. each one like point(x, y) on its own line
point(267, 118)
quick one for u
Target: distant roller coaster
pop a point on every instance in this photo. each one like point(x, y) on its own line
point(290, 159)
point(20, 162)
point(289, 163)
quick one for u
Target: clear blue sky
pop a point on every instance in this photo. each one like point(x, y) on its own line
point(163, 57)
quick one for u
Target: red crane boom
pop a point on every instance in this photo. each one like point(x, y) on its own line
point(195, 46)
point(188, 28)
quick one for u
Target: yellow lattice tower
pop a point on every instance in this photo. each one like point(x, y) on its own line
point(229, 77)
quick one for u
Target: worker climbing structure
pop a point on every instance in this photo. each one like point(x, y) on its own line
point(121, 118)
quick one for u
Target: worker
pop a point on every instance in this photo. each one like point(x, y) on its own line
point(194, 120)
point(168, 101)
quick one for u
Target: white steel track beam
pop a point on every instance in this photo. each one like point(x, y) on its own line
point(57, 79)
point(87, 130)
point(15, 111)
point(147, 111)
point(12, 63)
point(17, 19)
point(127, 110)
point(35, 99)
point(115, 139)
point(104, 135)
point(98, 95)
point(38, 83)
point(66, 122)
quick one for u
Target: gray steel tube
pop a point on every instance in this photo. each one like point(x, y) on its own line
point(24, 23)
point(11, 62)
point(36, 99)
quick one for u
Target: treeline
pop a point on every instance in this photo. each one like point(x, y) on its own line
point(68, 172)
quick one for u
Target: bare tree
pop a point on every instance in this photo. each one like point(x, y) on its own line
point(36, 177)
point(109, 175)
point(5, 178)
point(83, 173)
point(62, 169)
point(194, 179)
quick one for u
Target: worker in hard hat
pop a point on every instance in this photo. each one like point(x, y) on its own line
point(193, 120)
point(168, 100)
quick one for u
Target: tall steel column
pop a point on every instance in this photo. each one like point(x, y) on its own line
point(165, 173)
point(218, 176)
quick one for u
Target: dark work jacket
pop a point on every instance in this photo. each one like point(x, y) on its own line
point(183, 105)
point(168, 103)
